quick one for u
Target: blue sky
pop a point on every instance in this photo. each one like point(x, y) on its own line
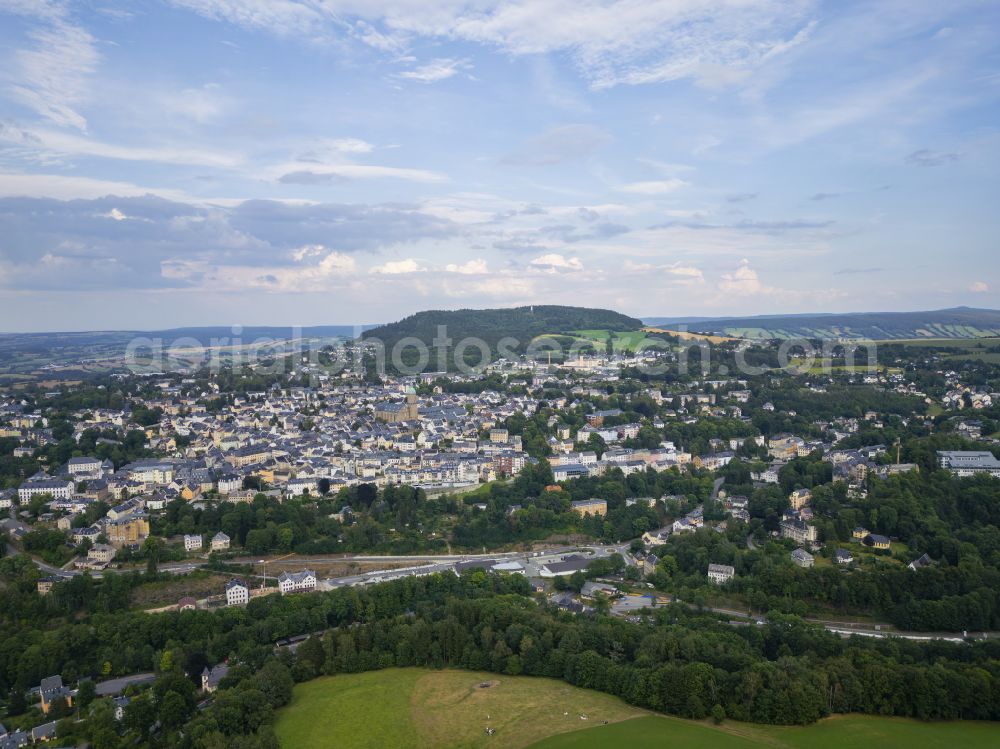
point(196, 162)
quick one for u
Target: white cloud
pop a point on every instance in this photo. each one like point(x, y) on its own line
point(350, 145)
point(304, 173)
point(629, 41)
point(653, 187)
point(686, 275)
point(472, 267)
point(743, 281)
point(50, 76)
point(63, 187)
point(281, 17)
point(116, 215)
point(436, 70)
point(398, 267)
point(979, 287)
point(67, 144)
point(556, 262)
point(336, 263)
point(317, 269)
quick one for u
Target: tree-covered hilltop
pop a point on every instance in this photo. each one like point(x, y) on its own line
point(491, 325)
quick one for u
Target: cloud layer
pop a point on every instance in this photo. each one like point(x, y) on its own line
point(335, 161)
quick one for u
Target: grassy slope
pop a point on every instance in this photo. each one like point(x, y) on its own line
point(853, 732)
point(421, 709)
point(624, 341)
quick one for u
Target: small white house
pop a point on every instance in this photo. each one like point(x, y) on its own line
point(192, 543)
point(220, 542)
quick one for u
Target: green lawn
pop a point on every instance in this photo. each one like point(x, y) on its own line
point(364, 710)
point(854, 732)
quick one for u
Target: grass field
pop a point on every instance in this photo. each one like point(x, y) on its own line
point(628, 341)
point(854, 732)
point(688, 336)
point(424, 709)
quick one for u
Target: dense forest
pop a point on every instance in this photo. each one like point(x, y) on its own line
point(519, 325)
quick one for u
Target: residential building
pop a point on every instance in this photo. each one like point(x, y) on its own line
point(101, 553)
point(237, 593)
point(799, 498)
point(798, 531)
point(84, 467)
point(57, 488)
point(220, 542)
point(192, 543)
point(843, 556)
point(210, 678)
point(297, 582)
point(52, 689)
point(802, 558)
point(131, 530)
point(590, 507)
point(721, 573)
point(877, 542)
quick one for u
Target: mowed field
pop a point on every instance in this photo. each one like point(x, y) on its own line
point(424, 709)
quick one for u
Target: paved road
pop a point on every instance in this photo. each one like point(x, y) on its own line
point(716, 485)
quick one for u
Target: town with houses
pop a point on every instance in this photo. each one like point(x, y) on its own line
point(205, 447)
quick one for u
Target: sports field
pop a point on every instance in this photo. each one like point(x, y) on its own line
point(424, 709)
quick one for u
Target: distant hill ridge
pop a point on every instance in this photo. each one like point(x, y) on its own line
point(958, 322)
point(490, 325)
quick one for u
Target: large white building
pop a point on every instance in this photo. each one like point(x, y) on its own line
point(296, 582)
point(237, 593)
point(84, 467)
point(192, 543)
point(969, 462)
point(721, 573)
point(57, 488)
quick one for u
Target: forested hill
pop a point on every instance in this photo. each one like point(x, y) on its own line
point(959, 322)
point(490, 325)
